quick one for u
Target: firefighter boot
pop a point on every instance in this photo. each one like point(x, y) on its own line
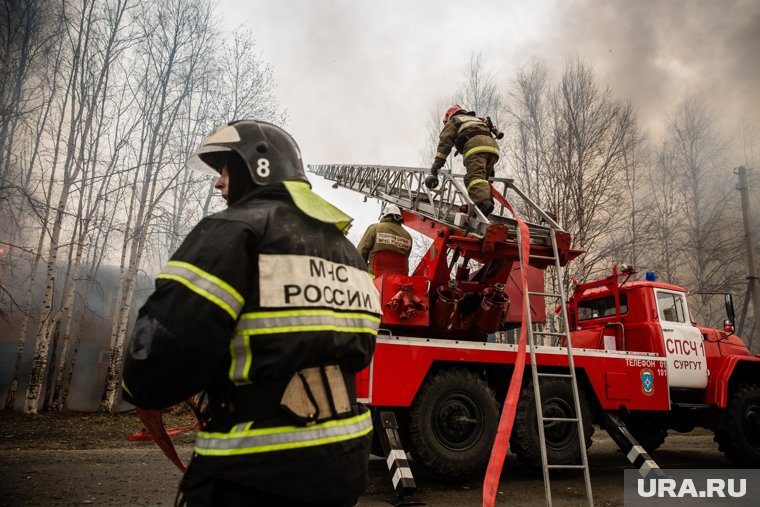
point(486, 206)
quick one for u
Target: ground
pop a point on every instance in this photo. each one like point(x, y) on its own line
point(80, 459)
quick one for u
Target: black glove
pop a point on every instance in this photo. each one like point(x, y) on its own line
point(434, 171)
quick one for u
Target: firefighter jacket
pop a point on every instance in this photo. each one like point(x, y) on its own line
point(468, 133)
point(253, 295)
point(385, 236)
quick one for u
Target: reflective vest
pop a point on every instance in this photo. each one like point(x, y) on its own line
point(385, 236)
point(253, 295)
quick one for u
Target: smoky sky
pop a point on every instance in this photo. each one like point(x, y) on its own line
point(656, 52)
point(361, 80)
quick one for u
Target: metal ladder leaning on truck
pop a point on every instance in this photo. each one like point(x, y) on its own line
point(637, 365)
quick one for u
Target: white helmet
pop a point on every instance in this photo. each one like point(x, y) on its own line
point(391, 210)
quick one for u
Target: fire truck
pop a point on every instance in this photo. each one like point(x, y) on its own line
point(625, 354)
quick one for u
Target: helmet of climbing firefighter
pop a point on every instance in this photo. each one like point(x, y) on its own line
point(450, 112)
point(391, 211)
point(270, 154)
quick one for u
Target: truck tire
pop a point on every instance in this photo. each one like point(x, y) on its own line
point(561, 437)
point(452, 423)
point(739, 435)
point(650, 433)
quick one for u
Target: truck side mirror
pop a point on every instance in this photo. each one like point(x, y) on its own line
point(730, 309)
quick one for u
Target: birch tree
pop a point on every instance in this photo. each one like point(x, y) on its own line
point(29, 39)
point(238, 85)
point(529, 126)
point(178, 40)
point(589, 133)
point(98, 41)
point(663, 217)
point(712, 234)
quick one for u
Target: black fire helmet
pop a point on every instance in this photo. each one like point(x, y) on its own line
point(270, 154)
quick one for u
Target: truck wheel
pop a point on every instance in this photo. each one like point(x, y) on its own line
point(561, 437)
point(739, 438)
point(453, 422)
point(650, 433)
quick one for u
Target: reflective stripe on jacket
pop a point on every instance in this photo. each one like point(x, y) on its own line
point(242, 439)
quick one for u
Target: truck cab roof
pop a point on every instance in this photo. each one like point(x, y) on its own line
point(632, 285)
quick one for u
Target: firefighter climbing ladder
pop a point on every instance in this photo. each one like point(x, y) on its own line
point(404, 187)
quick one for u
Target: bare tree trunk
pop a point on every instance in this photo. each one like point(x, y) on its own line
point(184, 40)
point(49, 377)
point(85, 113)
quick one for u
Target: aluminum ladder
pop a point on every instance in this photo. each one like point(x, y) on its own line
point(404, 187)
point(537, 375)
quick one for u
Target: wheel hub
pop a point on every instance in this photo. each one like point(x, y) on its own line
point(558, 434)
point(458, 422)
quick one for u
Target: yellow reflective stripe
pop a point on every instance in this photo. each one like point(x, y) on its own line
point(480, 149)
point(283, 437)
point(301, 329)
point(240, 367)
point(300, 313)
point(124, 388)
point(204, 284)
point(290, 321)
point(476, 180)
point(224, 306)
point(271, 322)
point(211, 278)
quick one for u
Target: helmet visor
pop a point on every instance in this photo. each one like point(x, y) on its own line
point(198, 163)
point(213, 143)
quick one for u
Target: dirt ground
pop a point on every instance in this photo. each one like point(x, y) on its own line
point(86, 459)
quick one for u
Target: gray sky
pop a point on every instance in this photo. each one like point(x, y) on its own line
point(359, 78)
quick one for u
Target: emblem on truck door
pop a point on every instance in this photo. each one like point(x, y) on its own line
point(647, 381)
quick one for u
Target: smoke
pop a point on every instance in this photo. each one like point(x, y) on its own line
point(655, 53)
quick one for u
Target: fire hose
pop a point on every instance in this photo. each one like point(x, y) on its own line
point(507, 419)
point(155, 430)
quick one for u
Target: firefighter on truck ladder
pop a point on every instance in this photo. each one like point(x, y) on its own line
point(386, 236)
point(269, 308)
point(473, 138)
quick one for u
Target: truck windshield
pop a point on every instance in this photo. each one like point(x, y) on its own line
point(671, 307)
point(602, 307)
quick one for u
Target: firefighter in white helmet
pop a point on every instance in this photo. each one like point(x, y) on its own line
point(386, 236)
point(268, 308)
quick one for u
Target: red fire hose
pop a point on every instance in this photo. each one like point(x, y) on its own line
point(155, 430)
point(506, 422)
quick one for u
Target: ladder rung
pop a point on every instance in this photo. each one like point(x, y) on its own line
point(546, 294)
point(544, 257)
point(577, 467)
point(560, 419)
point(555, 375)
point(548, 333)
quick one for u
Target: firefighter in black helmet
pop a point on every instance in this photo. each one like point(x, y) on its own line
point(472, 137)
point(268, 308)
